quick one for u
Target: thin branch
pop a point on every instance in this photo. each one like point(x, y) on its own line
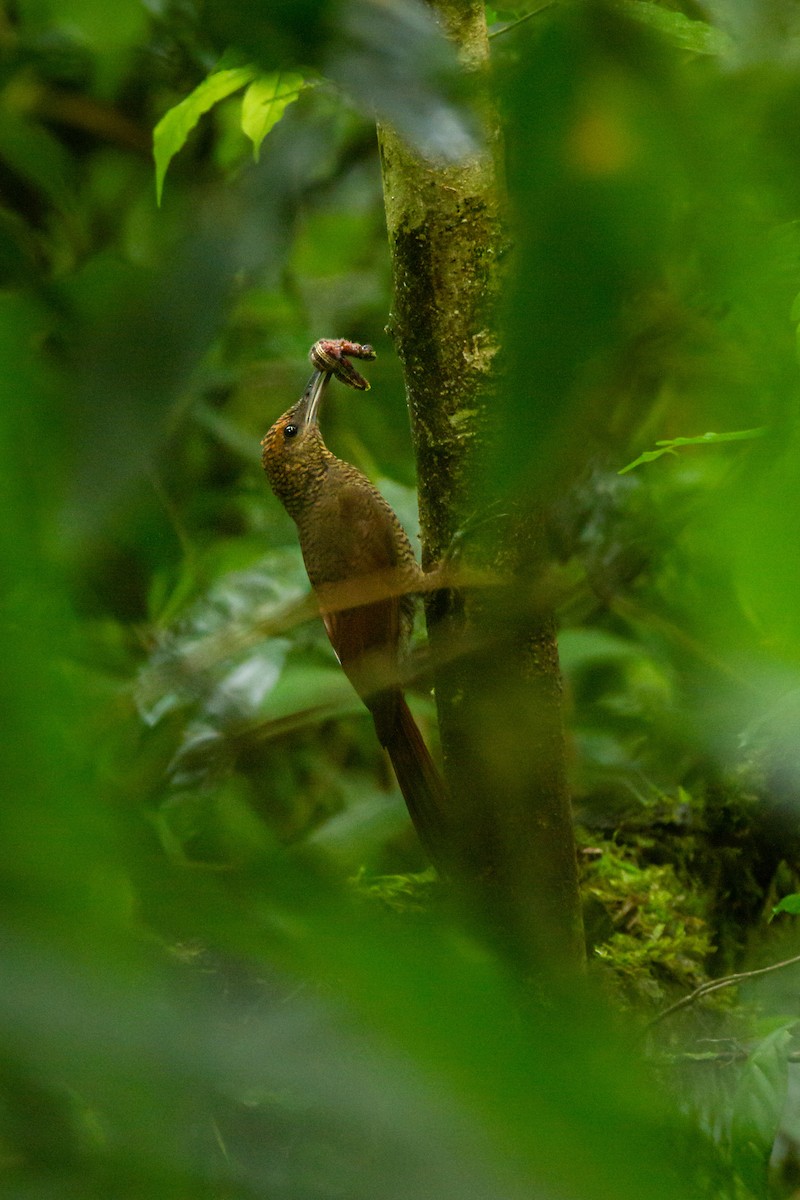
point(521, 20)
point(714, 985)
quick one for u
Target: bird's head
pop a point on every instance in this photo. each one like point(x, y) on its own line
point(293, 453)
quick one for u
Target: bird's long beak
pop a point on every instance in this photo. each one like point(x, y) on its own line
point(307, 409)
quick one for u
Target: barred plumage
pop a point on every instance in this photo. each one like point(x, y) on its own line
point(364, 573)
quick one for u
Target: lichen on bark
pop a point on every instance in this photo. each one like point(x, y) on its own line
point(495, 667)
point(442, 322)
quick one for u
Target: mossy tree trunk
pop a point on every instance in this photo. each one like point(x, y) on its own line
point(496, 671)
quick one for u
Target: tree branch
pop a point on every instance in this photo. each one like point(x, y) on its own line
point(714, 985)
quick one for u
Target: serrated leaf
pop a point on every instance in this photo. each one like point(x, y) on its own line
point(171, 132)
point(265, 102)
point(703, 439)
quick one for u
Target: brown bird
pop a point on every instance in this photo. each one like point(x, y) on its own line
point(364, 573)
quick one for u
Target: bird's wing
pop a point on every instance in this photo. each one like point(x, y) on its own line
point(362, 563)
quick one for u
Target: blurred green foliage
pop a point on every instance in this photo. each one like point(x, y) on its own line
point(222, 972)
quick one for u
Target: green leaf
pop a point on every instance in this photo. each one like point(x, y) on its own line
point(757, 1106)
point(36, 156)
point(668, 447)
point(171, 132)
point(680, 30)
point(265, 102)
point(789, 904)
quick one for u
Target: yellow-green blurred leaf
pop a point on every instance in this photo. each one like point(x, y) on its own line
point(171, 132)
point(265, 102)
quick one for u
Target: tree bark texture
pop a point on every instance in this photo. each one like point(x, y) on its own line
point(495, 660)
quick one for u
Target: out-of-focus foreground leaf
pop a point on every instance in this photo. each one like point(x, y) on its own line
point(194, 1001)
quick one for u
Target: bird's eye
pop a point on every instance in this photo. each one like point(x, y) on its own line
point(290, 431)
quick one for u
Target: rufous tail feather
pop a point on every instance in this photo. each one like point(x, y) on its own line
point(423, 788)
